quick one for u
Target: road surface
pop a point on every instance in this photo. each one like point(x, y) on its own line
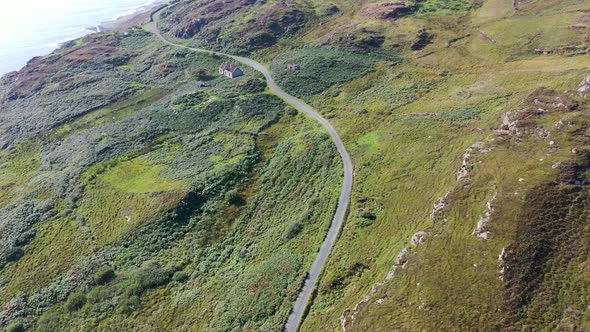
point(302, 300)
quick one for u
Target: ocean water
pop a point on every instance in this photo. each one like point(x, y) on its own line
point(30, 28)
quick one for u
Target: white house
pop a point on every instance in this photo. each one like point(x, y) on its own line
point(230, 70)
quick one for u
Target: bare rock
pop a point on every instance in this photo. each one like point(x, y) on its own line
point(479, 230)
point(402, 257)
point(440, 205)
point(584, 87)
point(418, 238)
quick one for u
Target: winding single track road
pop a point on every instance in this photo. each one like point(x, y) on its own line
point(302, 300)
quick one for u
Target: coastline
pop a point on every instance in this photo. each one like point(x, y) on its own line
point(127, 20)
point(19, 54)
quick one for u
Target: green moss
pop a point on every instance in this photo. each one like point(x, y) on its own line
point(17, 168)
point(370, 139)
point(138, 176)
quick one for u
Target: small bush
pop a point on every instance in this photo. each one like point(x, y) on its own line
point(253, 85)
point(133, 288)
point(128, 305)
point(201, 74)
point(368, 215)
point(50, 321)
point(14, 254)
point(367, 219)
point(76, 301)
point(291, 110)
point(332, 93)
point(103, 275)
point(463, 114)
point(233, 197)
point(15, 327)
point(365, 223)
point(272, 25)
point(180, 276)
point(151, 276)
point(99, 294)
point(293, 230)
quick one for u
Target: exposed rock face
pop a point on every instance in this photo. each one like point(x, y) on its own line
point(222, 22)
point(466, 166)
point(386, 10)
point(440, 205)
point(351, 35)
point(331, 10)
point(480, 229)
point(539, 102)
point(191, 28)
point(424, 38)
point(197, 16)
point(584, 87)
point(418, 238)
point(348, 317)
point(402, 257)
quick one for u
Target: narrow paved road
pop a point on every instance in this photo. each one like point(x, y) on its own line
point(301, 303)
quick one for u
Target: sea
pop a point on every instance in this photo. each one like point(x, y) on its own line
point(30, 28)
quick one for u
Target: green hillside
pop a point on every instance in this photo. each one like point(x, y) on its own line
point(135, 198)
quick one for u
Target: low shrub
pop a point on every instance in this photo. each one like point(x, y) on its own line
point(291, 110)
point(128, 304)
point(369, 215)
point(76, 301)
point(180, 276)
point(253, 85)
point(151, 276)
point(14, 254)
point(103, 275)
point(233, 197)
point(293, 230)
point(99, 294)
point(15, 327)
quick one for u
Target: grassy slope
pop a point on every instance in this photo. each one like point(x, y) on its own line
point(407, 127)
point(405, 160)
point(179, 191)
point(407, 118)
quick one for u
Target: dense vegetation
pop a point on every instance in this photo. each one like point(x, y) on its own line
point(154, 191)
point(320, 68)
point(134, 198)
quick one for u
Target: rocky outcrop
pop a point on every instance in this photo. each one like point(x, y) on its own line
point(222, 23)
point(584, 87)
point(331, 10)
point(440, 205)
point(424, 38)
point(466, 166)
point(386, 10)
point(480, 229)
point(519, 122)
point(418, 238)
point(196, 16)
point(191, 28)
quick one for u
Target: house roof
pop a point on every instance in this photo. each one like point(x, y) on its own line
point(229, 67)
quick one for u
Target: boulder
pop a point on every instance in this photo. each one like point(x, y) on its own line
point(418, 238)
